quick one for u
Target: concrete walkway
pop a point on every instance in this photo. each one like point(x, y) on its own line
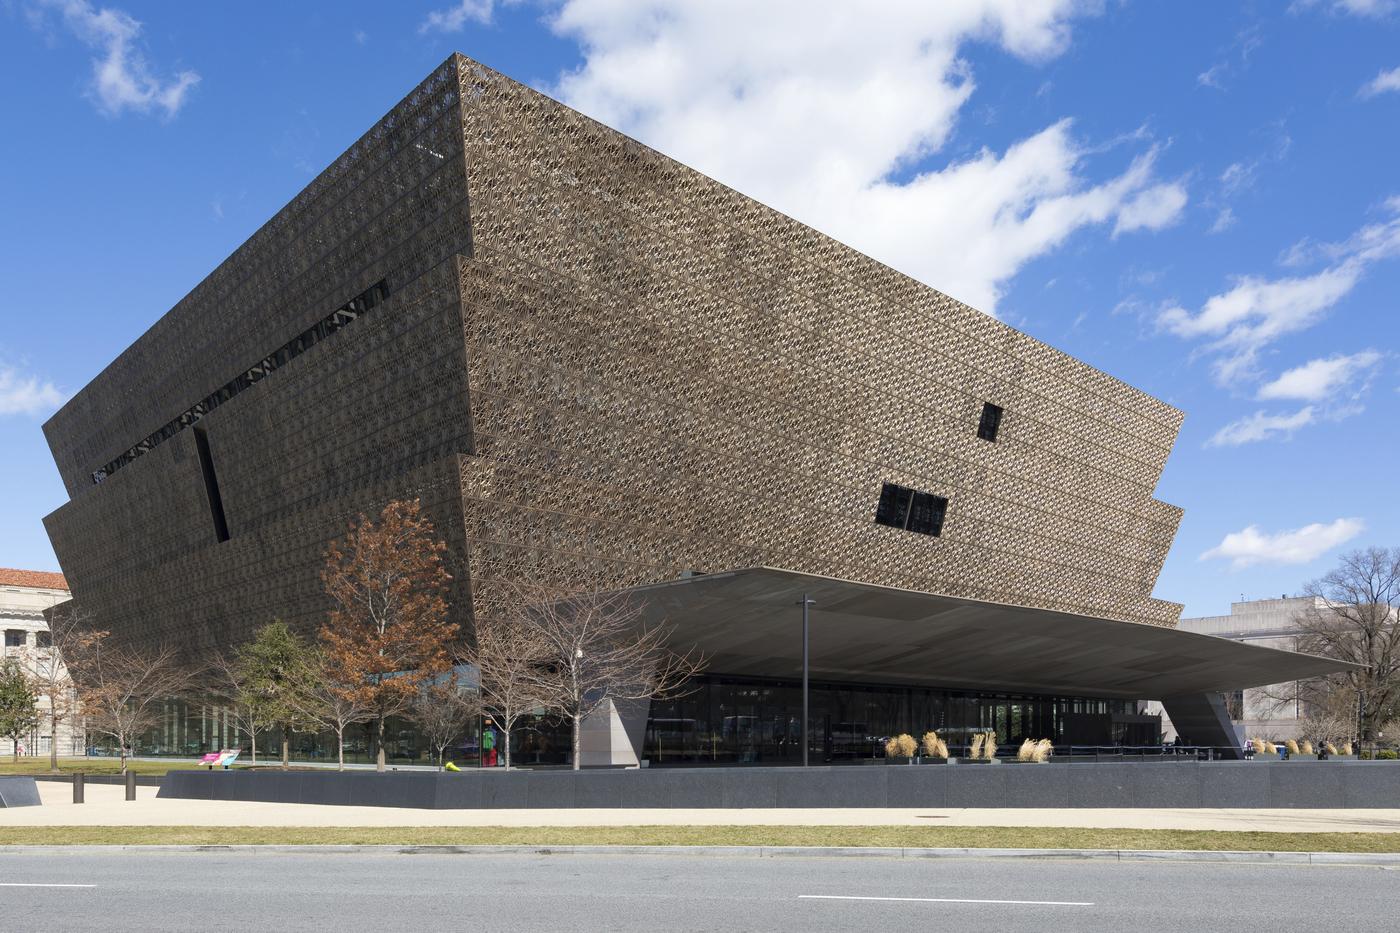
point(106, 807)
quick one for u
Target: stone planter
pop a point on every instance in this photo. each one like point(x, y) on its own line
point(934, 760)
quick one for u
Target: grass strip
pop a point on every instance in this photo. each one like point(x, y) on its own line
point(1009, 837)
point(92, 766)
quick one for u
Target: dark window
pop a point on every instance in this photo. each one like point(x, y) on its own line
point(893, 509)
point(43, 639)
point(911, 509)
point(926, 514)
point(211, 485)
point(251, 376)
point(991, 422)
point(14, 638)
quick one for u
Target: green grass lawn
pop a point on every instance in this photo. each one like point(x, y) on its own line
point(40, 765)
point(1009, 837)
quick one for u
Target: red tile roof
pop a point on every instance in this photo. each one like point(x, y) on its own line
point(40, 578)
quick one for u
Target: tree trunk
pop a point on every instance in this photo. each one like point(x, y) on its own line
point(285, 743)
point(577, 721)
point(379, 741)
point(340, 748)
point(253, 744)
point(123, 754)
point(53, 736)
point(505, 735)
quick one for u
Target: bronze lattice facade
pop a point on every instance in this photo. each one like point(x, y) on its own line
point(596, 367)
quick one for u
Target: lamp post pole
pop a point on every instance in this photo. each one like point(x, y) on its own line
point(806, 741)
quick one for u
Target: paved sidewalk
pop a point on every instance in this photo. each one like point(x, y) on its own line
point(106, 807)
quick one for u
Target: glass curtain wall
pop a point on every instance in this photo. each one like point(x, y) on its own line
point(743, 721)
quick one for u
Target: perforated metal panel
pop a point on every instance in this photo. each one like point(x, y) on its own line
point(597, 367)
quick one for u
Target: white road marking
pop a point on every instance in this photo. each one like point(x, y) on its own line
point(938, 900)
point(36, 884)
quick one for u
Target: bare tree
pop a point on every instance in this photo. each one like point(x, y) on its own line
point(599, 650)
point(442, 712)
point(1354, 618)
point(122, 688)
point(233, 691)
point(510, 655)
point(73, 635)
point(335, 705)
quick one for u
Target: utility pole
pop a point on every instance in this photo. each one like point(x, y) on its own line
point(806, 666)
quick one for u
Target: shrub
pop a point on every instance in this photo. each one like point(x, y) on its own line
point(1271, 748)
point(1387, 754)
point(1258, 746)
point(892, 747)
point(931, 746)
point(1331, 749)
point(989, 747)
point(907, 745)
point(1292, 747)
point(1042, 751)
point(976, 750)
point(1027, 751)
point(1306, 748)
point(1346, 748)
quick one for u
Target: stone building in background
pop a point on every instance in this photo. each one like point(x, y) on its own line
point(24, 597)
point(598, 368)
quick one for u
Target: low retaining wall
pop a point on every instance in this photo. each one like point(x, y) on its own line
point(18, 792)
point(1292, 784)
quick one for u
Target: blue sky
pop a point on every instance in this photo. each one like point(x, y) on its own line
point(1201, 199)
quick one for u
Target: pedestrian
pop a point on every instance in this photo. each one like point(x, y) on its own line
point(1248, 750)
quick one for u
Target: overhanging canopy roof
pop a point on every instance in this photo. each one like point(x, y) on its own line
point(748, 622)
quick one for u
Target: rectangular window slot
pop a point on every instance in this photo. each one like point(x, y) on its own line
point(211, 484)
point(911, 510)
point(991, 422)
point(254, 374)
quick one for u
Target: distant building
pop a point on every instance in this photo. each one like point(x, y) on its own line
point(24, 595)
point(1263, 712)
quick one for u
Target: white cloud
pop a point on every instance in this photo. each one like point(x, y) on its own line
point(1374, 9)
point(455, 19)
point(22, 394)
point(1261, 426)
point(1319, 379)
point(1256, 311)
point(1251, 546)
point(1238, 176)
point(1152, 209)
point(1223, 220)
point(823, 115)
point(1211, 76)
point(121, 77)
point(1381, 83)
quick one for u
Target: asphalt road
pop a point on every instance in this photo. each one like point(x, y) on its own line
point(370, 891)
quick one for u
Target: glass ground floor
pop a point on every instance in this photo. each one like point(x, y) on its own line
point(715, 720)
point(725, 720)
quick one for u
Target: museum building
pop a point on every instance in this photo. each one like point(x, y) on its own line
point(598, 368)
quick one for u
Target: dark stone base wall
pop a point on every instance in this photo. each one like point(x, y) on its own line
point(18, 792)
point(1302, 784)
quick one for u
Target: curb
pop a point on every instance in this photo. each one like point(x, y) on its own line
point(1110, 855)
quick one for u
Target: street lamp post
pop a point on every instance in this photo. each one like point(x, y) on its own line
point(805, 668)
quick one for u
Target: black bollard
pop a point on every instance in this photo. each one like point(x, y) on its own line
point(78, 787)
point(130, 785)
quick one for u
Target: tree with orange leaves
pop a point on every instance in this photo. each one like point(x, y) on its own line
point(389, 634)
